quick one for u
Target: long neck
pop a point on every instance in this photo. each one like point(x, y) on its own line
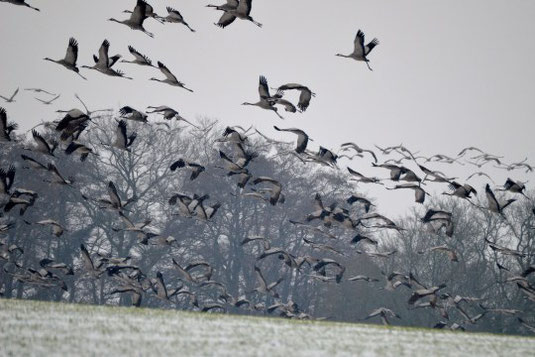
point(342, 55)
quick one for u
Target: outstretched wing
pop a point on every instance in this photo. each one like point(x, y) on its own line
point(167, 72)
point(72, 52)
point(226, 19)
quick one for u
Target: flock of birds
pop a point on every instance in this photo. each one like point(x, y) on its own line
point(361, 221)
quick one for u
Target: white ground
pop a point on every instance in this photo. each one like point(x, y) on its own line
point(39, 328)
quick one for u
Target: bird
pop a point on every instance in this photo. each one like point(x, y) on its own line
point(51, 264)
point(305, 94)
point(57, 228)
point(266, 101)
point(138, 16)
point(419, 192)
point(361, 51)
point(170, 78)
point(148, 11)
point(437, 176)
point(320, 246)
point(139, 58)
point(232, 166)
point(184, 274)
point(326, 157)
point(196, 169)
point(493, 204)
point(232, 135)
point(115, 201)
point(241, 10)
point(364, 179)
point(462, 191)
point(168, 113)
point(123, 141)
point(302, 138)
point(263, 287)
point(20, 3)
point(514, 186)
point(57, 177)
point(420, 293)
point(323, 263)
point(470, 148)
point(395, 171)
point(79, 148)
point(479, 173)
point(104, 62)
point(275, 190)
point(363, 278)
point(205, 213)
point(34, 164)
point(355, 198)
point(89, 266)
point(12, 98)
point(384, 313)
point(361, 238)
point(358, 149)
point(504, 250)
point(48, 102)
point(130, 113)
point(70, 59)
point(39, 90)
point(452, 255)
point(439, 219)
point(176, 17)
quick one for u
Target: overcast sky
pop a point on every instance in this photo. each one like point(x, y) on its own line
point(446, 74)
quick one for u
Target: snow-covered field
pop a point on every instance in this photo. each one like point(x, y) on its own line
point(42, 328)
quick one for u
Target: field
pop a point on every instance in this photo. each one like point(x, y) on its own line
point(43, 328)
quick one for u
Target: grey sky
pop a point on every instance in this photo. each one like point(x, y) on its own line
point(446, 74)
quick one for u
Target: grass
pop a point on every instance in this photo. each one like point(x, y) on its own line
point(44, 328)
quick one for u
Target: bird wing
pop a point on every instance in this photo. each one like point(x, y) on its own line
point(140, 12)
point(494, 206)
point(167, 72)
point(263, 89)
point(14, 94)
point(359, 44)
point(370, 46)
point(103, 59)
point(72, 52)
point(226, 19)
point(244, 7)
point(140, 57)
point(260, 278)
point(174, 13)
point(114, 196)
point(122, 138)
point(88, 262)
point(304, 99)
point(288, 106)
point(42, 145)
